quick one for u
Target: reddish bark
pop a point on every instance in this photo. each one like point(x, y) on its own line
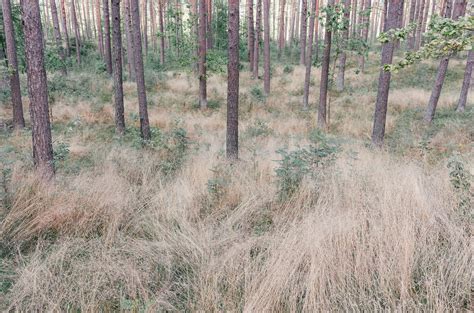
point(37, 88)
point(258, 31)
point(395, 8)
point(266, 46)
point(139, 70)
point(117, 68)
point(309, 55)
point(304, 23)
point(250, 33)
point(323, 90)
point(466, 82)
point(99, 27)
point(18, 119)
point(202, 55)
point(107, 47)
point(232, 137)
point(65, 31)
point(77, 34)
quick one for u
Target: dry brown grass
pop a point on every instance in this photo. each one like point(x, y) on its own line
point(372, 232)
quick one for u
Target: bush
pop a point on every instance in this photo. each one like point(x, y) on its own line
point(259, 128)
point(257, 94)
point(295, 165)
point(288, 69)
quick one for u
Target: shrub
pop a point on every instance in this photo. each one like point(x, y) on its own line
point(257, 94)
point(259, 128)
point(295, 165)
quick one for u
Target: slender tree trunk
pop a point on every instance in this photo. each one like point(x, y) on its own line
point(57, 35)
point(210, 41)
point(250, 33)
point(466, 82)
point(354, 18)
point(99, 28)
point(202, 55)
point(423, 23)
point(442, 69)
point(395, 7)
point(297, 23)
point(266, 46)
point(323, 91)
point(294, 12)
point(145, 26)
point(46, 21)
point(316, 32)
point(76, 32)
point(130, 45)
point(256, 45)
point(65, 31)
point(273, 18)
point(341, 68)
point(419, 27)
point(281, 36)
point(162, 33)
point(18, 119)
point(153, 25)
point(118, 82)
point(139, 70)
point(37, 88)
point(309, 56)
point(108, 48)
point(232, 142)
point(365, 30)
point(411, 38)
point(304, 23)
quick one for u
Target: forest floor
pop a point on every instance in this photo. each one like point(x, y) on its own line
point(305, 220)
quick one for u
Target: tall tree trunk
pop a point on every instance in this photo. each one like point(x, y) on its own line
point(294, 12)
point(309, 55)
point(76, 32)
point(130, 45)
point(341, 67)
point(411, 38)
point(145, 26)
point(323, 91)
point(108, 48)
point(139, 70)
point(466, 82)
point(424, 22)
point(304, 23)
point(118, 82)
point(419, 23)
point(273, 18)
point(99, 28)
point(395, 7)
point(210, 41)
point(316, 32)
point(153, 25)
point(232, 138)
point(258, 31)
point(365, 30)
point(443, 66)
point(18, 119)
point(64, 22)
point(202, 55)
point(162, 33)
point(281, 36)
point(250, 33)
point(266, 46)
point(37, 88)
point(57, 35)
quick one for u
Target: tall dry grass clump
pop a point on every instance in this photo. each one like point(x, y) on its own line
point(367, 233)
